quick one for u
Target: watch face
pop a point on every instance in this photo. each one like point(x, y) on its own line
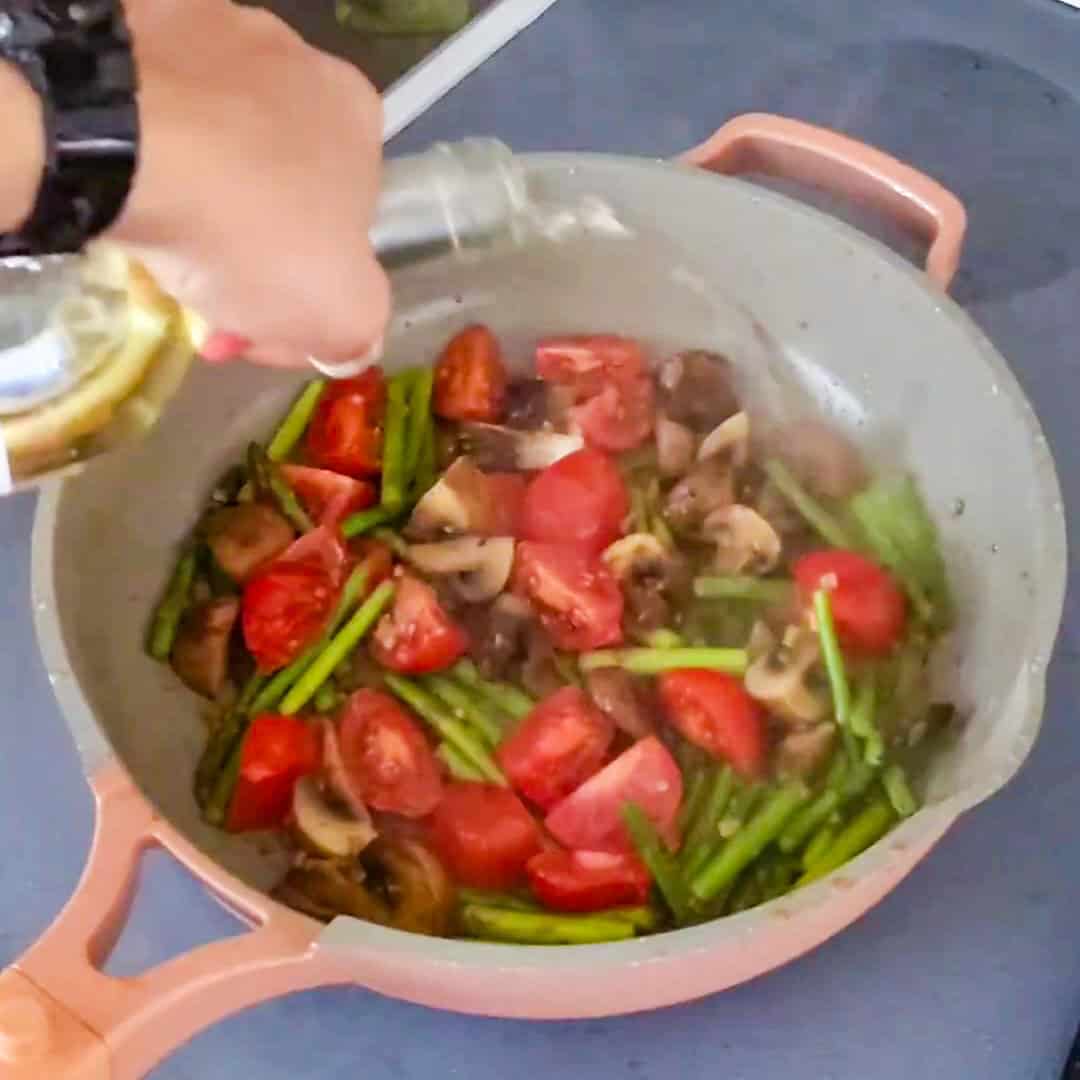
point(385, 59)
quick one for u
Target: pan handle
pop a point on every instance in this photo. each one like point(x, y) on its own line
point(790, 149)
point(62, 1017)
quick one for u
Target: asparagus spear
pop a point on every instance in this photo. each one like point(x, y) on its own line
point(872, 823)
point(703, 835)
point(446, 726)
point(900, 795)
point(174, 604)
point(364, 521)
point(342, 643)
point(420, 419)
point(747, 844)
point(654, 661)
point(661, 863)
point(825, 523)
point(820, 842)
point(761, 590)
point(466, 706)
point(296, 421)
point(542, 928)
point(394, 467)
point(489, 898)
point(509, 699)
point(459, 766)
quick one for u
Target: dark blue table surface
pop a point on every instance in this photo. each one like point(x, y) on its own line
point(971, 969)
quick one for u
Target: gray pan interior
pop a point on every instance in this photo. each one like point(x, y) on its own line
point(808, 308)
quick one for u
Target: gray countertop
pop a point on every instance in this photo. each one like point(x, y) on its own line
point(972, 967)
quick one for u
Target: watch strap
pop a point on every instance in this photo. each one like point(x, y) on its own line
point(77, 56)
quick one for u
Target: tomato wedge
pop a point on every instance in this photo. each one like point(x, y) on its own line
point(580, 500)
point(328, 496)
point(589, 362)
point(868, 606)
point(587, 880)
point(345, 433)
point(611, 384)
point(284, 610)
point(387, 761)
point(277, 751)
point(577, 599)
point(470, 377)
point(417, 636)
point(374, 556)
point(557, 747)
point(483, 835)
point(322, 547)
point(713, 710)
point(647, 775)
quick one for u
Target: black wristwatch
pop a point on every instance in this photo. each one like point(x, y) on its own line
point(76, 54)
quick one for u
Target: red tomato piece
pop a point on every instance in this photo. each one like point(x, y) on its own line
point(505, 503)
point(483, 835)
point(417, 636)
point(589, 362)
point(587, 880)
point(580, 500)
point(322, 547)
point(345, 433)
point(387, 761)
point(557, 747)
point(647, 775)
point(713, 710)
point(579, 602)
point(868, 606)
point(620, 417)
point(277, 751)
point(470, 377)
point(284, 609)
point(328, 496)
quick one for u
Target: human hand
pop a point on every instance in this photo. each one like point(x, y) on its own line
point(256, 186)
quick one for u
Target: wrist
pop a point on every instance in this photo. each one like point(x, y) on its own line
point(24, 147)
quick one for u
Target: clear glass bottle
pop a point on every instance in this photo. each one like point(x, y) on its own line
point(91, 350)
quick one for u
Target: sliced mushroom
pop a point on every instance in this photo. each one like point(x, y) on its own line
point(399, 884)
point(478, 567)
point(503, 449)
point(697, 389)
point(709, 486)
point(618, 693)
point(745, 542)
point(803, 752)
point(497, 634)
point(200, 654)
point(244, 537)
point(732, 437)
point(822, 458)
point(779, 679)
point(532, 404)
point(325, 829)
point(674, 446)
point(632, 553)
point(452, 504)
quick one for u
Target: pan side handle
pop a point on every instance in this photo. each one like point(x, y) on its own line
point(62, 1017)
point(791, 149)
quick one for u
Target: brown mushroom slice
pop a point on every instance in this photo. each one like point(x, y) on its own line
point(633, 552)
point(709, 486)
point(326, 888)
point(780, 678)
point(732, 437)
point(745, 542)
point(451, 505)
point(616, 692)
point(697, 389)
point(825, 460)
point(325, 829)
point(650, 574)
point(675, 445)
point(200, 654)
point(503, 449)
point(477, 567)
point(804, 751)
point(244, 537)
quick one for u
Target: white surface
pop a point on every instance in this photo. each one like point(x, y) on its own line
point(449, 64)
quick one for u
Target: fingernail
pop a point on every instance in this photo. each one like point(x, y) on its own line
point(344, 369)
point(221, 347)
